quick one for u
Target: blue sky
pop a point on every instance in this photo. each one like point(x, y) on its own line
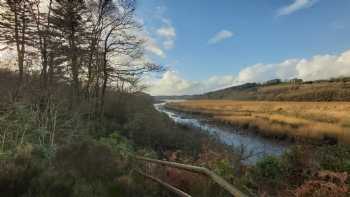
point(203, 40)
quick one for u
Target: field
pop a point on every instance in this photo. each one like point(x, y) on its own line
point(308, 91)
point(297, 120)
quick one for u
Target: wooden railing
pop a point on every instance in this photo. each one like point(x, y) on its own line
point(194, 169)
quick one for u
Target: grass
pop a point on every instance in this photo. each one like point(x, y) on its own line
point(298, 120)
point(311, 91)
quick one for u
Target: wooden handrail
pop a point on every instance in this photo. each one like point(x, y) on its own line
point(217, 179)
point(168, 186)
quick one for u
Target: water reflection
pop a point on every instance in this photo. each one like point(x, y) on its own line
point(258, 145)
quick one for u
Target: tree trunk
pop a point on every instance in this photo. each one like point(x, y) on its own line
point(19, 54)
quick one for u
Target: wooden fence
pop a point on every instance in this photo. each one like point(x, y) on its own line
point(193, 169)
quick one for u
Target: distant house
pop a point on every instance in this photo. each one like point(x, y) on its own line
point(295, 81)
point(273, 81)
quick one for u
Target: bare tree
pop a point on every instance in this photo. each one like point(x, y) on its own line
point(116, 45)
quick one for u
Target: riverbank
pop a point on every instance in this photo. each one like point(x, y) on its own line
point(254, 146)
point(316, 121)
point(289, 173)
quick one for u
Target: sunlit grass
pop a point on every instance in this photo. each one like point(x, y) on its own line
point(315, 120)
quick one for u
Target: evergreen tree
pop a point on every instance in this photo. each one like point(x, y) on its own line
point(69, 27)
point(17, 29)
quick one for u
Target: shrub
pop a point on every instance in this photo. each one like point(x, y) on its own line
point(299, 164)
point(17, 172)
point(268, 172)
point(224, 168)
point(153, 130)
point(334, 158)
point(117, 144)
point(83, 168)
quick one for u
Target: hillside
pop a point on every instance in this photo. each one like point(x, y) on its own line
point(182, 97)
point(322, 90)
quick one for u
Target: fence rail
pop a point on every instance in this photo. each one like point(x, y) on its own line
point(196, 169)
point(166, 185)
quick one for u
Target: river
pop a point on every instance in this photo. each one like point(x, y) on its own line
point(256, 145)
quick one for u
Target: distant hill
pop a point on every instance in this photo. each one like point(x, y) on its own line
point(183, 97)
point(294, 90)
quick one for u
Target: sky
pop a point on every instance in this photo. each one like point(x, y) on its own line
point(207, 45)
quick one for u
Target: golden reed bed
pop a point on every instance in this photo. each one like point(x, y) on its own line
point(312, 120)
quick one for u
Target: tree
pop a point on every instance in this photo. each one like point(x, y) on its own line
point(44, 36)
point(68, 23)
point(116, 46)
point(16, 27)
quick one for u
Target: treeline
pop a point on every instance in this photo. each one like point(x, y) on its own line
point(66, 100)
point(72, 111)
point(90, 45)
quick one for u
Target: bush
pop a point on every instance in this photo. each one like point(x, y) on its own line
point(268, 170)
point(153, 130)
point(87, 168)
point(117, 144)
point(267, 175)
point(334, 158)
point(299, 164)
point(18, 171)
point(225, 169)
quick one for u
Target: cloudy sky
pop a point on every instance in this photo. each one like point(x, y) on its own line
point(208, 45)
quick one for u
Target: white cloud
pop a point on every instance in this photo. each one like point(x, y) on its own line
point(264, 72)
point(323, 67)
point(295, 6)
point(167, 37)
point(317, 67)
point(171, 83)
point(160, 35)
point(150, 45)
point(167, 34)
point(220, 36)
point(168, 44)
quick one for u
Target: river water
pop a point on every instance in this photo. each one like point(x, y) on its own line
point(256, 145)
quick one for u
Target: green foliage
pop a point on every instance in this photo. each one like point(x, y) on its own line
point(82, 160)
point(268, 171)
point(118, 144)
point(225, 169)
point(299, 164)
point(334, 157)
point(147, 152)
point(16, 124)
point(148, 128)
point(87, 168)
point(346, 166)
point(46, 152)
point(17, 171)
point(299, 167)
point(100, 167)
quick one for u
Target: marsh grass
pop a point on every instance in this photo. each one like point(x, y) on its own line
point(298, 120)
